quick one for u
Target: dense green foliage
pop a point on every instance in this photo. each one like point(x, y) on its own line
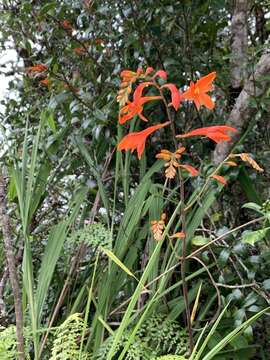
point(94, 282)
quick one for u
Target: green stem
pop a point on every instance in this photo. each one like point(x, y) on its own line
point(88, 304)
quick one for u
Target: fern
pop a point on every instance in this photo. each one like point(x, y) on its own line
point(170, 357)
point(164, 335)
point(94, 235)
point(8, 343)
point(66, 345)
point(156, 337)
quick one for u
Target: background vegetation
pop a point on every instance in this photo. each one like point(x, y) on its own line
point(77, 252)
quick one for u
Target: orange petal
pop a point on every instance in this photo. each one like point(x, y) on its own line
point(164, 156)
point(206, 101)
point(146, 99)
point(176, 97)
point(190, 169)
point(205, 83)
point(180, 150)
point(79, 50)
point(44, 82)
point(162, 74)
point(188, 94)
point(178, 235)
point(230, 163)
point(136, 140)
point(36, 68)
point(216, 133)
point(129, 111)
point(66, 25)
point(139, 90)
point(218, 136)
point(148, 70)
point(127, 74)
point(220, 179)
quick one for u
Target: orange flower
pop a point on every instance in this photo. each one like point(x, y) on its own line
point(45, 82)
point(99, 41)
point(36, 68)
point(197, 92)
point(230, 163)
point(215, 133)
point(190, 169)
point(128, 77)
point(172, 163)
point(157, 227)
point(136, 106)
point(220, 179)
point(79, 51)
point(148, 71)
point(160, 73)
point(247, 158)
point(178, 235)
point(67, 26)
point(136, 140)
point(176, 97)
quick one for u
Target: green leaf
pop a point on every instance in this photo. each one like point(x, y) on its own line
point(251, 237)
point(252, 206)
point(12, 192)
point(53, 250)
point(118, 262)
point(233, 335)
point(248, 186)
point(46, 8)
point(51, 123)
point(199, 240)
point(266, 284)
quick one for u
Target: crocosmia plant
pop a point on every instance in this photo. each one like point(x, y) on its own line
point(143, 87)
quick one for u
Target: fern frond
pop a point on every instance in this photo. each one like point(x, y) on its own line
point(8, 343)
point(156, 337)
point(95, 235)
point(170, 357)
point(66, 345)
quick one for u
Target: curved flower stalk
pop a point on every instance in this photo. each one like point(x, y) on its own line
point(175, 95)
point(136, 106)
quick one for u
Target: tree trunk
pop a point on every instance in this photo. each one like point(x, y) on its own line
point(7, 237)
point(242, 111)
point(239, 44)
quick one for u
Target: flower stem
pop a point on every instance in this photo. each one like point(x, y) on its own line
point(183, 220)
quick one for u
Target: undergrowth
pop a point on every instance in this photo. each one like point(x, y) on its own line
point(156, 337)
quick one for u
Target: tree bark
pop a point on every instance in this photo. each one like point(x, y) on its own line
point(239, 44)
point(11, 261)
point(242, 111)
